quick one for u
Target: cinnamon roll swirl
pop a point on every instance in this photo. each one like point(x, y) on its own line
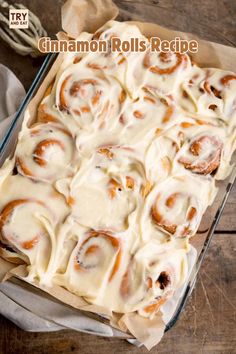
point(205, 153)
point(88, 97)
point(94, 264)
point(29, 216)
point(210, 92)
point(45, 152)
point(179, 204)
point(164, 72)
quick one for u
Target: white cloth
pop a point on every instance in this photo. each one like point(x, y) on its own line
point(12, 93)
point(26, 307)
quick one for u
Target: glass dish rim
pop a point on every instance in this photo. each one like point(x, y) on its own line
point(45, 67)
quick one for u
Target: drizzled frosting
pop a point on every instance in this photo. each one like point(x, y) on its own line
point(114, 176)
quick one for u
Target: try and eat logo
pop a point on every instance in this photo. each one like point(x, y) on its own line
point(18, 18)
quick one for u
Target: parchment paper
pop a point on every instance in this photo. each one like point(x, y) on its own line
point(81, 15)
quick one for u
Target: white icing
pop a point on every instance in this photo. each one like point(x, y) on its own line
point(116, 173)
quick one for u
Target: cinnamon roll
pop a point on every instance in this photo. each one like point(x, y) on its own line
point(108, 184)
point(146, 114)
point(88, 97)
point(164, 72)
point(205, 152)
point(45, 152)
point(203, 148)
point(124, 66)
point(11, 215)
point(210, 92)
point(94, 264)
point(179, 204)
point(29, 216)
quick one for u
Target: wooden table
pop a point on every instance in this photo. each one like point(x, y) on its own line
point(207, 324)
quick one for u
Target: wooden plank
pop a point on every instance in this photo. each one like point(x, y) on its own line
point(228, 219)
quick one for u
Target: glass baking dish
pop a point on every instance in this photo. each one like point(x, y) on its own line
point(130, 10)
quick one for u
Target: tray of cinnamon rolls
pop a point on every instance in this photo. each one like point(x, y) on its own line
point(108, 184)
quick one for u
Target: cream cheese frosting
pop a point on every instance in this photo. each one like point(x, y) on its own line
point(107, 186)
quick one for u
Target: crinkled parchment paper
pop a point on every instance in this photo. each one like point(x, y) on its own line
point(90, 15)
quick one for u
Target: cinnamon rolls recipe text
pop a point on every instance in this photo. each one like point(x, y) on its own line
point(134, 44)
